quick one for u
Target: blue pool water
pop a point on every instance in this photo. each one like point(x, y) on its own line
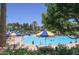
point(48, 40)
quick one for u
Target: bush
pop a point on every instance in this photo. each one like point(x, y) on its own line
point(14, 52)
point(45, 51)
point(60, 50)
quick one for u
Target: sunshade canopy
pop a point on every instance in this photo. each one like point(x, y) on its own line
point(45, 34)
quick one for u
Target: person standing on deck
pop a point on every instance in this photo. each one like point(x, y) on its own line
point(33, 42)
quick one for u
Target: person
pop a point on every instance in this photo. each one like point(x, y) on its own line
point(32, 42)
point(76, 41)
point(29, 34)
point(70, 41)
point(50, 40)
point(14, 46)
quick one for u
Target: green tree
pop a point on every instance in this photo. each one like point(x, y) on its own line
point(26, 27)
point(9, 27)
point(34, 26)
point(57, 16)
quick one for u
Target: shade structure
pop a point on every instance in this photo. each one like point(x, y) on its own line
point(13, 34)
point(39, 34)
point(45, 34)
point(18, 34)
point(8, 34)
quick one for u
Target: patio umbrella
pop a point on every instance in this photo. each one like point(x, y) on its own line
point(45, 34)
point(18, 34)
point(13, 34)
point(7, 34)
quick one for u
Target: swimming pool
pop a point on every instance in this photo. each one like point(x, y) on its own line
point(32, 39)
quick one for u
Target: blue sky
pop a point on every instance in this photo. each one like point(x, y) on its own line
point(25, 13)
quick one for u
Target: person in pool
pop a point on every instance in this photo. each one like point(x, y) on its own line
point(52, 40)
point(32, 42)
point(70, 41)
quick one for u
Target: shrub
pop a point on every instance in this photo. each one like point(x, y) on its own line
point(60, 50)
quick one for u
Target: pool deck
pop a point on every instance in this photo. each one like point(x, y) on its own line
point(17, 40)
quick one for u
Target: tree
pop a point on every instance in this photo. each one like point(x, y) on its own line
point(17, 26)
point(3, 25)
point(34, 25)
point(23, 27)
point(57, 16)
point(9, 27)
point(26, 27)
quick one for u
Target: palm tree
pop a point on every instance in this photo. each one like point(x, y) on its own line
point(34, 26)
point(3, 25)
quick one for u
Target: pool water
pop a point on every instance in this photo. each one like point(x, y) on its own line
point(48, 40)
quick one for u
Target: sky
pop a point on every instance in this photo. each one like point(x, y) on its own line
point(25, 13)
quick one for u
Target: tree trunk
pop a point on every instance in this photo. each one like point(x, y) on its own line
point(3, 25)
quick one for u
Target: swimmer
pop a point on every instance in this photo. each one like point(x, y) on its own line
point(70, 41)
point(32, 42)
point(75, 41)
point(50, 40)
